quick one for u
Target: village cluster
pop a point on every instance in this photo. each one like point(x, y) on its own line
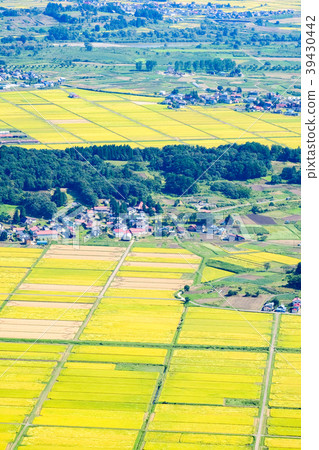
point(101, 220)
point(177, 11)
point(10, 79)
point(252, 101)
point(293, 307)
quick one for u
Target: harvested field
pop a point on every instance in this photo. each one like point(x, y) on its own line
point(247, 221)
point(247, 303)
point(92, 252)
point(187, 258)
point(82, 257)
point(293, 218)
point(161, 265)
point(261, 220)
point(38, 329)
point(149, 283)
point(285, 242)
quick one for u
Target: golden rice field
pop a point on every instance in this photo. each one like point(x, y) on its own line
point(284, 414)
point(22, 381)
point(245, 259)
point(140, 293)
point(134, 320)
point(193, 441)
point(34, 296)
point(145, 370)
point(68, 276)
point(213, 377)
point(56, 121)
point(217, 327)
point(18, 257)
point(285, 388)
point(109, 354)
point(156, 269)
point(290, 332)
point(9, 278)
point(210, 274)
point(57, 293)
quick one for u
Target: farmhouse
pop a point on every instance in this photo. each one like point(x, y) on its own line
point(48, 234)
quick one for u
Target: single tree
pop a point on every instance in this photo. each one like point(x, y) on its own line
point(16, 217)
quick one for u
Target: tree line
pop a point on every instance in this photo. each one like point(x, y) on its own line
point(27, 179)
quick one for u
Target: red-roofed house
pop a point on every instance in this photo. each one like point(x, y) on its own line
point(137, 231)
point(119, 232)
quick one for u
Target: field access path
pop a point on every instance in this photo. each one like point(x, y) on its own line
point(56, 372)
point(267, 382)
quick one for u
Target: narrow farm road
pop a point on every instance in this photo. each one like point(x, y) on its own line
point(106, 286)
point(57, 370)
point(267, 381)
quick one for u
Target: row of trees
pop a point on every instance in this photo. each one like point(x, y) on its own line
point(149, 65)
point(208, 65)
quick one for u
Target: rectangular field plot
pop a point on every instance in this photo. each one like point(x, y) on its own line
point(225, 328)
point(155, 440)
point(53, 118)
point(18, 257)
point(59, 289)
point(163, 258)
point(203, 419)
point(33, 296)
point(285, 387)
point(149, 274)
point(110, 354)
point(284, 422)
point(81, 438)
point(262, 257)
point(140, 293)
point(91, 253)
point(280, 443)
point(68, 276)
point(56, 263)
point(43, 310)
point(149, 283)
point(289, 332)
point(38, 328)
point(133, 320)
point(96, 395)
point(164, 251)
point(30, 351)
point(210, 273)
point(214, 377)
point(159, 267)
point(10, 277)
point(22, 381)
